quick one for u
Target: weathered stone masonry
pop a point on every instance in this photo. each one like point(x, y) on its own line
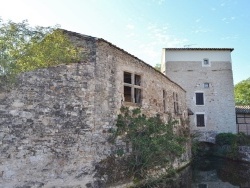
point(54, 124)
point(206, 75)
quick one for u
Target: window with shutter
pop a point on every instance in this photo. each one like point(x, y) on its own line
point(199, 98)
point(200, 120)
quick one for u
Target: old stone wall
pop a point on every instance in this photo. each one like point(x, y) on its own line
point(54, 124)
point(245, 153)
point(152, 83)
point(185, 68)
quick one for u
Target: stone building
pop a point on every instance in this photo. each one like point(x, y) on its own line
point(54, 124)
point(243, 119)
point(206, 75)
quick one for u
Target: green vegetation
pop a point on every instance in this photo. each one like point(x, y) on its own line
point(231, 139)
point(152, 143)
point(24, 48)
point(196, 149)
point(227, 144)
point(242, 92)
point(158, 67)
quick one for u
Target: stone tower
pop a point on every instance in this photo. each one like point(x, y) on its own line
point(206, 75)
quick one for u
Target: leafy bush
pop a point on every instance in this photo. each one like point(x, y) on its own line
point(243, 139)
point(232, 139)
point(225, 139)
point(152, 142)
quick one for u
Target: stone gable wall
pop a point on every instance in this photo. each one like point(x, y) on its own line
point(153, 82)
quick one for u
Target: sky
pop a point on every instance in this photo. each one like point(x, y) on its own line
point(144, 27)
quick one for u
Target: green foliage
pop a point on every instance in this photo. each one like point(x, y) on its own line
point(242, 92)
point(158, 67)
point(243, 139)
point(153, 142)
point(225, 139)
point(228, 144)
point(232, 139)
point(24, 48)
point(195, 149)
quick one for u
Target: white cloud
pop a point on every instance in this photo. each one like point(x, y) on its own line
point(130, 26)
point(213, 9)
point(232, 37)
point(228, 20)
point(200, 30)
point(159, 1)
point(157, 38)
point(198, 20)
point(160, 37)
point(130, 35)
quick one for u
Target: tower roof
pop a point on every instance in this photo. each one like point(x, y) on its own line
point(201, 49)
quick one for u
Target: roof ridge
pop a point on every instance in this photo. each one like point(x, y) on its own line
point(228, 49)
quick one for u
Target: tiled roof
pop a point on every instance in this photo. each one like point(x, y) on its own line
point(214, 49)
point(242, 109)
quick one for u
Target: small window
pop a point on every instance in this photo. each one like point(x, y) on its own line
point(137, 80)
point(200, 120)
point(176, 103)
point(127, 94)
point(132, 88)
point(199, 98)
point(137, 97)
point(206, 85)
point(205, 62)
point(202, 185)
point(164, 101)
point(127, 78)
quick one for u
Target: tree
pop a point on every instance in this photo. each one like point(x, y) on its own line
point(158, 67)
point(24, 48)
point(242, 92)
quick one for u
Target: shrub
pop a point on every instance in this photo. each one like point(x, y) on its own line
point(232, 139)
point(225, 139)
point(152, 142)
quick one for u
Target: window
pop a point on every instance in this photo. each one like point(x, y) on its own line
point(205, 62)
point(206, 85)
point(164, 101)
point(200, 120)
point(132, 87)
point(199, 98)
point(176, 105)
point(127, 78)
point(202, 185)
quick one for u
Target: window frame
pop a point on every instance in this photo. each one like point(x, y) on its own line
point(203, 97)
point(196, 119)
point(176, 103)
point(135, 87)
point(208, 64)
point(164, 96)
point(206, 85)
point(202, 185)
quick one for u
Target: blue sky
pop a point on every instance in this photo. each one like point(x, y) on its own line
point(144, 27)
